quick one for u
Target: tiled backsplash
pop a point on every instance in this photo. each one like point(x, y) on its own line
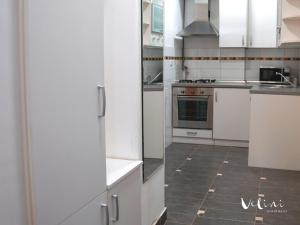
point(205, 59)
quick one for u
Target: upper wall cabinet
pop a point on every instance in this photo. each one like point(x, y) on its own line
point(263, 29)
point(244, 27)
point(233, 23)
point(290, 32)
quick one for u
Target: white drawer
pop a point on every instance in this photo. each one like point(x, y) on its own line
point(192, 133)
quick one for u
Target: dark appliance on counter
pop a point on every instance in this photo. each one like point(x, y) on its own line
point(268, 74)
point(193, 107)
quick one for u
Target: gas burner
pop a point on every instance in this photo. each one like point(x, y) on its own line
point(205, 81)
point(186, 81)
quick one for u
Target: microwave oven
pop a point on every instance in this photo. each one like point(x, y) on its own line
point(268, 74)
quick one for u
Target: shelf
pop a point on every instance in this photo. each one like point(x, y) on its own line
point(291, 18)
point(290, 9)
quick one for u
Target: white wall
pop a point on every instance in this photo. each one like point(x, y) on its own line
point(122, 40)
point(12, 202)
point(153, 197)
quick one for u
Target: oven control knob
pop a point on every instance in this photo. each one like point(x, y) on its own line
point(182, 92)
point(202, 92)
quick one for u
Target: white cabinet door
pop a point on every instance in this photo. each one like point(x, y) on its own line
point(233, 23)
point(64, 56)
point(262, 24)
point(94, 213)
point(124, 200)
point(231, 114)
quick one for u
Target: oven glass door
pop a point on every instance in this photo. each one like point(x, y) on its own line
point(194, 112)
point(192, 109)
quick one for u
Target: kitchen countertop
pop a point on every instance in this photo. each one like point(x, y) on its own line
point(154, 87)
point(216, 85)
point(118, 169)
point(254, 87)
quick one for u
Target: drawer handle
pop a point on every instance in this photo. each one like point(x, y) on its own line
point(116, 200)
point(101, 100)
point(191, 133)
point(105, 207)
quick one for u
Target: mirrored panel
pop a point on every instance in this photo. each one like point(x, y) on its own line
point(153, 91)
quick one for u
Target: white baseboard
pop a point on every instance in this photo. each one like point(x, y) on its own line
point(232, 143)
point(203, 141)
point(198, 141)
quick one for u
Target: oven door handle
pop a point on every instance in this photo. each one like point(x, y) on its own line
point(193, 97)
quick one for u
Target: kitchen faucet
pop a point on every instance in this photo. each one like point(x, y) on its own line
point(285, 79)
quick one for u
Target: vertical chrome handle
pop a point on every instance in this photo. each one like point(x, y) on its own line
point(251, 41)
point(216, 96)
point(116, 200)
point(243, 40)
point(105, 208)
point(101, 100)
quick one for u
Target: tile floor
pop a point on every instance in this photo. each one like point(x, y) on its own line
point(205, 184)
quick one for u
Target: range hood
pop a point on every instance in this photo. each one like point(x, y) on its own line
point(197, 16)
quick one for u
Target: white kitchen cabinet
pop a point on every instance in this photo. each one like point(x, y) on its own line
point(94, 213)
point(262, 30)
point(233, 23)
point(275, 131)
point(64, 61)
point(231, 114)
point(253, 23)
point(124, 200)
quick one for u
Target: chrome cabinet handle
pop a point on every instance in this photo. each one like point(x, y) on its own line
point(101, 100)
point(243, 40)
point(116, 200)
point(191, 133)
point(216, 97)
point(105, 208)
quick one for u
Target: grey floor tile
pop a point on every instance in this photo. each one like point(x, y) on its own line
point(229, 207)
point(180, 218)
point(281, 219)
point(230, 198)
point(241, 190)
point(190, 208)
point(212, 221)
point(180, 197)
point(228, 214)
point(193, 188)
point(229, 181)
point(171, 223)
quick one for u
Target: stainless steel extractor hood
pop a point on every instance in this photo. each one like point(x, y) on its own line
point(197, 17)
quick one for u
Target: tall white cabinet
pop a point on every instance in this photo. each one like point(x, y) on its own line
point(64, 67)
